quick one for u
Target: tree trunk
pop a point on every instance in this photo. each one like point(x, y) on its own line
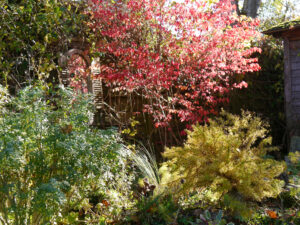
point(236, 3)
point(250, 8)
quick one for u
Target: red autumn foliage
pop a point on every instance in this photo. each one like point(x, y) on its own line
point(183, 57)
point(79, 72)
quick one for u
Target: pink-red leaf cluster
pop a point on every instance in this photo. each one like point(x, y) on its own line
point(183, 57)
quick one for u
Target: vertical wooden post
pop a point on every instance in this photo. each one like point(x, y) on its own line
point(99, 116)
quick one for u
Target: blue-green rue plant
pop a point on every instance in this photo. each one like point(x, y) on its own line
point(52, 161)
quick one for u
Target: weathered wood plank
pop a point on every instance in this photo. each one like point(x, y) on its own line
point(295, 88)
point(295, 95)
point(295, 59)
point(295, 44)
point(297, 111)
point(287, 70)
point(295, 74)
point(296, 103)
point(292, 34)
point(295, 66)
point(296, 79)
point(295, 52)
point(288, 93)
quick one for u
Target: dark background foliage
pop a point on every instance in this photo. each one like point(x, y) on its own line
point(32, 36)
point(265, 94)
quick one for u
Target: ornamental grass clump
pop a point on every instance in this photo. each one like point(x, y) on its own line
point(226, 157)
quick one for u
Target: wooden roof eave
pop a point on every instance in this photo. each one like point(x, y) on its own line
point(282, 32)
point(283, 29)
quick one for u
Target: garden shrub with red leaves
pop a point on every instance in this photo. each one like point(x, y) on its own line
point(183, 57)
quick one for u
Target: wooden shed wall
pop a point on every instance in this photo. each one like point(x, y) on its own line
point(292, 85)
point(295, 71)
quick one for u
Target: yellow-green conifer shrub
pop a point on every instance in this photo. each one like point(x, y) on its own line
point(225, 157)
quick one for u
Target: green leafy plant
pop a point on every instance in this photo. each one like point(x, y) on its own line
point(159, 209)
point(210, 219)
point(33, 34)
point(4, 98)
point(226, 157)
point(266, 217)
point(52, 164)
point(284, 210)
point(291, 198)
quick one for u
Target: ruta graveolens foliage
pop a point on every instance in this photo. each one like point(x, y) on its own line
point(51, 161)
point(225, 157)
point(182, 57)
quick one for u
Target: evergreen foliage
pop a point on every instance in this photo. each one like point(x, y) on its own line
point(53, 166)
point(228, 156)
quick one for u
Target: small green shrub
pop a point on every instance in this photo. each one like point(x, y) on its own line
point(286, 209)
point(155, 210)
point(290, 198)
point(4, 98)
point(226, 157)
point(53, 167)
point(294, 181)
point(285, 217)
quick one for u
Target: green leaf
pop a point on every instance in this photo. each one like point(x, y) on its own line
point(207, 215)
point(219, 216)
